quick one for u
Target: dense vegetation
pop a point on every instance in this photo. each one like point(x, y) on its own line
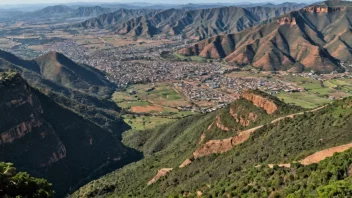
point(329, 178)
point(217, 175)
point(21, 184)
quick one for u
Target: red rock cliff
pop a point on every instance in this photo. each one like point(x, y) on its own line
point(260, 101)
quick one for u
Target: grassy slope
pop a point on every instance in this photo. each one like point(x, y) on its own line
point(168, 146)
point(289, 140)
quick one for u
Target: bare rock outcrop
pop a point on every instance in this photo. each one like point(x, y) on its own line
point(269, 106)
point(161, 173)
point(316, 9)
point(243, 120)
point(185, 163)
point(224, 145)
point(319, 156)
point(287, 21)
point(220, 125)
point(323, 9)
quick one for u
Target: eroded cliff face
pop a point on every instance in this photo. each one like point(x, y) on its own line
point(243, 119)
point(22, 127)
point(323, 9)
point(49, 141)
point(260, 101)
point(287, 21)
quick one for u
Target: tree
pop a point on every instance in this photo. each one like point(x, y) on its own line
point(336, 189)
point(13, 184)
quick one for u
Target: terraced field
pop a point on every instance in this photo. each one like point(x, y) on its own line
point(159, 101)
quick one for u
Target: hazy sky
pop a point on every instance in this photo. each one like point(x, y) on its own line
point(130, 1)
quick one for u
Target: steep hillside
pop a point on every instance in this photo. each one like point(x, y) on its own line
point(254, 108)
point(200, 23)
point(169, 168)
point(60, 69)
point(315, 37)
point(47, 140)
point(78, 87)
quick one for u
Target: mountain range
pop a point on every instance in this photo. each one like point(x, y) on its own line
point(316, 37)
point(66, 12)
point(119, 16)
point(195, 23)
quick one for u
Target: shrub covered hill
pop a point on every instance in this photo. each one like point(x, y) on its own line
point(78, 87)
point(49, 141)
point(244, 149)
point(315, 37)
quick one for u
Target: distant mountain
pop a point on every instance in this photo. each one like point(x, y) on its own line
point(48, 140)
point(53, 10)
point(91, 11)
point(66, 12)
point(192, 6)
point(313, 38)
point(78, 87)
point(257, 146)
point(117, 17)
point(9, 13)
point(60, 69)
point(197, 24)
point(285, 4)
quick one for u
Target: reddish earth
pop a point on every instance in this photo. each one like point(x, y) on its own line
point(221, 146)
point(259, 101)
point(287, 20)
point(143, 109)
point(16, 132)
point(319, 156)
point(224, 145)
point(185, 163)
point(281, 44)
point(244, 121)
point(161, 173)
point(220, 125)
